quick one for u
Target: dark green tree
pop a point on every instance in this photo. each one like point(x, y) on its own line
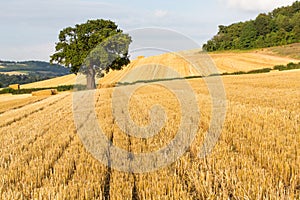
point(283, 22)
point(92, 47)
point(296, 30)
point(248, 35)
point(279, 27)
point(263, 24)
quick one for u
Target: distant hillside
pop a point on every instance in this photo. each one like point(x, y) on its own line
point(28, 72)
point(226, 62)
point(279, 27)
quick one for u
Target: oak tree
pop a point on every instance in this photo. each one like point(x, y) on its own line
point(92, 47)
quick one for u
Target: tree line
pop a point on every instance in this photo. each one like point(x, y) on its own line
point(279, 27)
point(6, 80)
point(33, 66)
point(34, 71)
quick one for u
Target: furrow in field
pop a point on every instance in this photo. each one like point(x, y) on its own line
point(44, 154)
point(16, 104)
point(16, 115)
point(31, 126)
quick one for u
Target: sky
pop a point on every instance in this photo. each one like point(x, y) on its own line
point(30, 28)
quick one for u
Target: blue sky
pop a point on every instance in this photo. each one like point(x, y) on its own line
point(29, 28)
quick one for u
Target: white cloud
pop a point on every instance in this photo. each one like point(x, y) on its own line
point(160, 13)
point(257, 5)
point(27, 52)
point(32, 26)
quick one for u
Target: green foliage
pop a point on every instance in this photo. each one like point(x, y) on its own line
point(60, 88)
point(289, 66)
point(279, 27)
point(7, 80)
point(257, 71)
point(263, 24)
point(279, 67)
point(92, 47)
point(34, 67)
point(235, 73)
point(248, 35)
point(34, 71)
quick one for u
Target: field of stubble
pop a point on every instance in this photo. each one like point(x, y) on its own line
point(256, 157)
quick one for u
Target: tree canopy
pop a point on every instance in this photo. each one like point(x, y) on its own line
point(279, 27)
point(92, 47)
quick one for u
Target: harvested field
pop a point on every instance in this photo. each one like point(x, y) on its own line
point(45, 92)
point(55, 82)
point(10, 102)
point(225, 62)
point(14, 86)
point(232, 62)
point(256, 157)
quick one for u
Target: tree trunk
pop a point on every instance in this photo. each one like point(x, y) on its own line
point(90, 77)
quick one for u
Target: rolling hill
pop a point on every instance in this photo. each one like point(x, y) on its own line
point(54, 82)
point(228, 61)
point(28, 71)
point(224, 61)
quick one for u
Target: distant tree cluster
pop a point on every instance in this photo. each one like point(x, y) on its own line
point(34, 71)
point(33, 67)
point(6, 80)
point(279, 27)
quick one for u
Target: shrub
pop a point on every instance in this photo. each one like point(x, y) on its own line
point(257, 71)
point(60, 88)
point(279, 67)
point(289, 66)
